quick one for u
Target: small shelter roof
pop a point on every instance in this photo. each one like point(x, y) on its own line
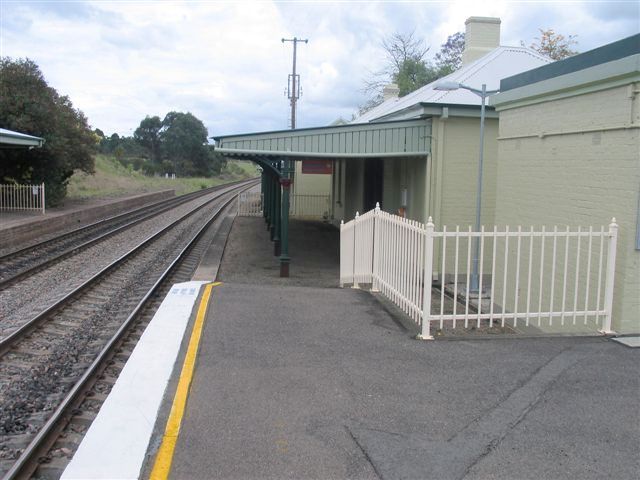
point(11, 139)
point(490, 69)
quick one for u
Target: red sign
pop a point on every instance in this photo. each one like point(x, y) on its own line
point(322, 167)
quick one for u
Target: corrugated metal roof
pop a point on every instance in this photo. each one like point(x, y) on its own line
point(500, 63)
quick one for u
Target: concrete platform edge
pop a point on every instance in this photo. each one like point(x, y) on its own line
point(116, 444)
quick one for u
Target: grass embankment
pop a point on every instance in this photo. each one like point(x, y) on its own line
point(112, 179)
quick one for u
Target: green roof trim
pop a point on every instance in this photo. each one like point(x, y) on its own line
point(607, 53)
point(380, 139)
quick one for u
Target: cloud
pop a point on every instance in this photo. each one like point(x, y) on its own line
point(225, 63)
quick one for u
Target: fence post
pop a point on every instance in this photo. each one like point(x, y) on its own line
point(355, 234)
point(428, 275)
point(609, 279)
point(42, 197)
point(376, 250)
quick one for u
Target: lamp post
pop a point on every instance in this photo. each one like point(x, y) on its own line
point(483, 93)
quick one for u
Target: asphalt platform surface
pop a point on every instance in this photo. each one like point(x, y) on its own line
point(298, 379)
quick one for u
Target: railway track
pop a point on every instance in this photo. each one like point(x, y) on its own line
point(59, 367)
point(26, 261)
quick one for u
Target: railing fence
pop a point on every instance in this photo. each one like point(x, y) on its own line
point(301, 206)
point(555, 281)
point(250, 204)
point(22, 197)
point(309, 206)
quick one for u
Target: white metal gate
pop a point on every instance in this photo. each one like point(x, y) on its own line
point(556, 281)
point(22, 197)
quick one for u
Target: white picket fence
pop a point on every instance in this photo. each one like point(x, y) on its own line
point(558, 281)
point(300, 206)
point(309, 206)
point(250, 204)
point(22, 197)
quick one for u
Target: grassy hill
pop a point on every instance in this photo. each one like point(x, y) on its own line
point(112, 179)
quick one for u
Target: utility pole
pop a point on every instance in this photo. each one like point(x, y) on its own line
point(293, 85)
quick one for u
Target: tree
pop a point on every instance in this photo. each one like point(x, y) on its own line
point(184, 143)
point(449, 59)
point(554, 45)
point(148, 135)
point(29, 105)
point(412, 75)
point(407, 66)
point(403, 53)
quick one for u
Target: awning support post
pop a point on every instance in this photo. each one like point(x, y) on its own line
point(285, 181)
point(277, 221)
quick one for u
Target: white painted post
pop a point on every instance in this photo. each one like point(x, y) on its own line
point(355, 233)
point(428, 275)
point(341, 254)
point(376, 250)
point(42, 197)
point(609, 279)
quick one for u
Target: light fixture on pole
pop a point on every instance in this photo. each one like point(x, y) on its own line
point(483, 93)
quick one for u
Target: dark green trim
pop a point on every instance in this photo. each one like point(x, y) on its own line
point(607, 53)
point(326, 127)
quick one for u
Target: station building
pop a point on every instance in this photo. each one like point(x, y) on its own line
point(417, 155)
point(569, 155)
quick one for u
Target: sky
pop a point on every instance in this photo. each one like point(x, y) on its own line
point(224, 62)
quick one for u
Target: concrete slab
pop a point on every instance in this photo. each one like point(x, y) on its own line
point(633, 342)
point(116, 443)
point(296, 382)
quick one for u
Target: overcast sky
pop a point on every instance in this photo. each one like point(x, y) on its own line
point(224, 62)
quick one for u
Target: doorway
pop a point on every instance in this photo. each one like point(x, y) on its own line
point(373, 183)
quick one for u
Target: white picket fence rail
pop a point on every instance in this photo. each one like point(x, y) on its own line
point(550, 280)
point(309, 206)
point(22, 197)
point(300, 206)
point(250, 204)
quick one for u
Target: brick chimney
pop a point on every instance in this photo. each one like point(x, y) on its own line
point(390, 90)
point(482, 35)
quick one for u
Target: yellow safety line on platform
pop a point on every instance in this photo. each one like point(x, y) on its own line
point(162, 465)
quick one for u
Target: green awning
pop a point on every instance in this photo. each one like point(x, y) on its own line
point(407, 138)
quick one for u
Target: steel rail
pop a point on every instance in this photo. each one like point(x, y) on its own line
point(7, 342)
point(154, 211)
point(114, 218)
point(60, 416)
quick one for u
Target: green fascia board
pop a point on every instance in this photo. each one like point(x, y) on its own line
point(306, 129)
point(605, 54)
point(399, 138)
point(247, 154)
point(599, 77)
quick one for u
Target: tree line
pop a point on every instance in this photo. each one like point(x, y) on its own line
point(177, 144)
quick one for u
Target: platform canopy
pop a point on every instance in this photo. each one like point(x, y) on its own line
point(11, 139)
point(406, 138)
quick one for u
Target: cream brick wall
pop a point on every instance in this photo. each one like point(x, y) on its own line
point(460, 173)
point(577, 179)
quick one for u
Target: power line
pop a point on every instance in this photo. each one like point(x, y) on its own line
point(293, 83)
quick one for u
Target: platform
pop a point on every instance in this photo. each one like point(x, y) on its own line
point(296, 378)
